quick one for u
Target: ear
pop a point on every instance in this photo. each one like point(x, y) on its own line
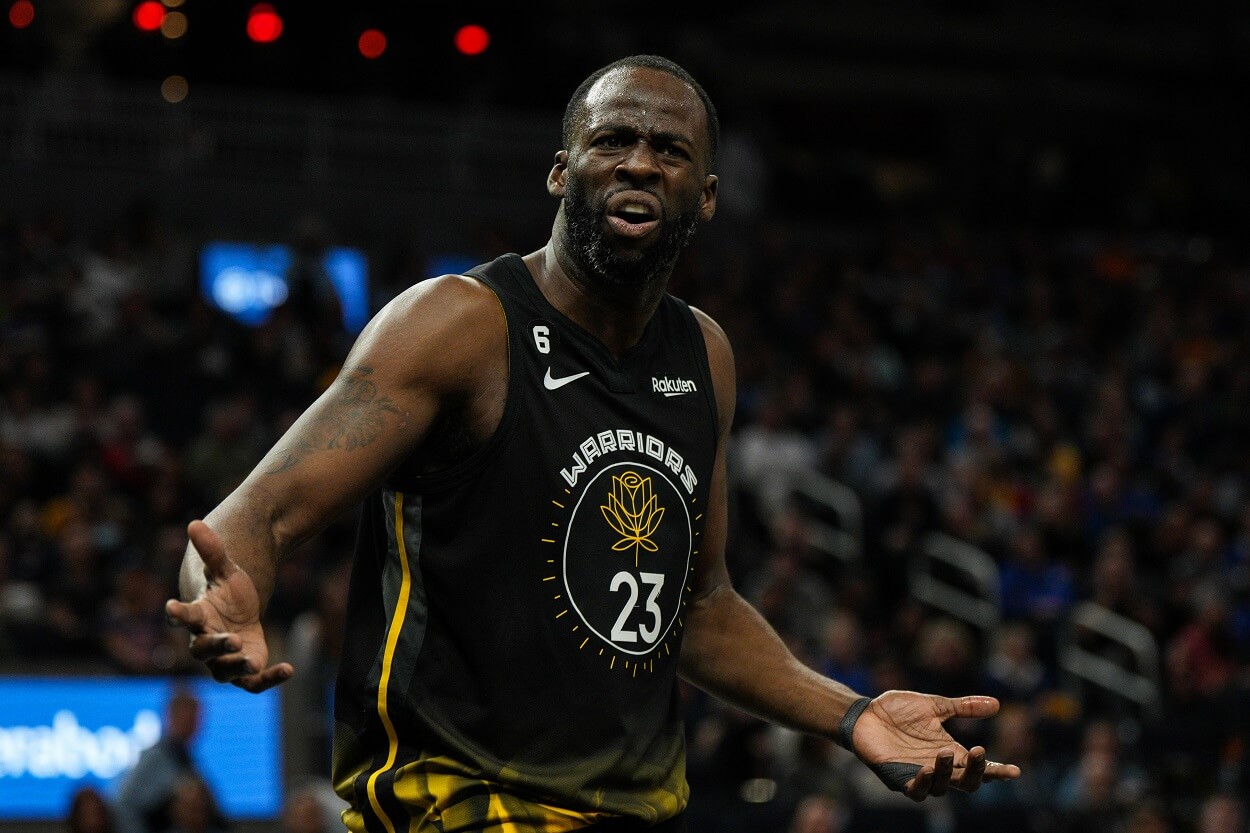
point(708, 208)
point(555, 179)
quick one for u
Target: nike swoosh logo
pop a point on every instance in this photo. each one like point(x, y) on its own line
point(552, 383)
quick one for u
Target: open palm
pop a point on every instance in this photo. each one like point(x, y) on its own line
point(902, 738)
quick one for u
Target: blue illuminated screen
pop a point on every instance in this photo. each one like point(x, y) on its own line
point(249, 280)
point(57, 735)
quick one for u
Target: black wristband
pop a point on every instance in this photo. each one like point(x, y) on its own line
point(846, 729)
point(893, 775)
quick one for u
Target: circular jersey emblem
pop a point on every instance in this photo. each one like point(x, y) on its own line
point(626, 556)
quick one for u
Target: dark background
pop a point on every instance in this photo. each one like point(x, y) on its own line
point(983, 263)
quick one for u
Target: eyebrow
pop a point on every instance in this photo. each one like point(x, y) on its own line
point(659, 136)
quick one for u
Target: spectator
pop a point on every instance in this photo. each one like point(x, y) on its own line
point(842, 657)
point(818, 814)
point(93, 500)
point(1101, 783)
point(192, 808)
point(1032, 585)
point(849, 452)
point(314, 646)
point(1120, 583)
point(312, 809)
point(1203, 562)
point(34, 427)
point(770, 455)
point(787, 591)
point(906, 508)
point(1222, 813)
point(1148, 816)
point(130, 453)
point(1013, 671)
point(74, 600)
point(945, 659)
point(227, 450)
point(1201, 659)
point(1091, 800)
point(1029, 798)
point(147, 792)
point(136, 637)
point(88, 813)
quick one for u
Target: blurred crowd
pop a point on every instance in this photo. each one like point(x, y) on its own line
point(1069, 404)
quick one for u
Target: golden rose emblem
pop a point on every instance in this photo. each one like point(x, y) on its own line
point(633, 512)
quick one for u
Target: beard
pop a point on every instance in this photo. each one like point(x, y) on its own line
point(599, 260)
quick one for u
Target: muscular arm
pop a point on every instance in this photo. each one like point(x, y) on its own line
point(729, 649)
point(336, 450)
point(441, 342)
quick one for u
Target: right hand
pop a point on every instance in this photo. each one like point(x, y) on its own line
point(224, 619)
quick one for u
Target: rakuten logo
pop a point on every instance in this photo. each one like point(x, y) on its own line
point(671, 386)
point(68, 750)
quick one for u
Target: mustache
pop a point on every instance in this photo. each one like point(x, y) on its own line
point(603, 203)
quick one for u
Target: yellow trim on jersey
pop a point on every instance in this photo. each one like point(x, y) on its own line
point(392, 637)
point(498, 811)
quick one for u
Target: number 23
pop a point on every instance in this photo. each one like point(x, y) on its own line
point(649, 634)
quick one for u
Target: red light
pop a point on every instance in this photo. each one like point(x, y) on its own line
point(149, 16)
point(263, 24)
point(372, 43)
point(472, 40)
point(22, 14)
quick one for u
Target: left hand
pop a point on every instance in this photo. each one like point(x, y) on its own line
point(906, 727)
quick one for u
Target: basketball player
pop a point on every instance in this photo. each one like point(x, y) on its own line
point(540, 448)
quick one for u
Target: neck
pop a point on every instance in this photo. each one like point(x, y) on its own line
point(616, 315)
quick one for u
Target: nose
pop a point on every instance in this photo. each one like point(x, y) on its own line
point(639, 164)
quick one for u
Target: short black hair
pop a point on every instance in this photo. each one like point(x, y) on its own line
point(573, 110)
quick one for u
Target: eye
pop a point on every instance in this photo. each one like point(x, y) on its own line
point(674, 150)
point(611, 140)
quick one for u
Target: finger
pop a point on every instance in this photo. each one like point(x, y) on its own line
point(1001, 772)
point(230, 667)
point(942, 770)
point(974, 770)
point(183, 615)
point(918, 789)
point(209, 646)
point(975, 706)
point(217, 565)
point(270, 677)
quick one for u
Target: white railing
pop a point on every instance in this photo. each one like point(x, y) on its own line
point(845, 539)
point(1139, 685)
point(980, 607)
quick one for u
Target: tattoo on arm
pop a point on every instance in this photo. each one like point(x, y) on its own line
point(353, 419)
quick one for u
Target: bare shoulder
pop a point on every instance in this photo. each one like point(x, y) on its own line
point(720, 353)
point(720, 358)
point(442, 305)
point(715, 338)
point(441, 329)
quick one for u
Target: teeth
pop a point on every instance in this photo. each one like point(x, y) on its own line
point(634, 209)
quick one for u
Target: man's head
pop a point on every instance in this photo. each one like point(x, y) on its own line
point(575, 110)
point(183, 716)
point(639, 140)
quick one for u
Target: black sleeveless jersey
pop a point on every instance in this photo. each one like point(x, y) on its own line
point(514, 622)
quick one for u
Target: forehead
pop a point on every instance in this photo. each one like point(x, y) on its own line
point(649, 98)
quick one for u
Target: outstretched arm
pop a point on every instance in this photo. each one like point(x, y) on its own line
point(438, 342)
point(732, 652)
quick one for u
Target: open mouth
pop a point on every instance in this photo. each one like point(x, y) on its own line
point(631, 216)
